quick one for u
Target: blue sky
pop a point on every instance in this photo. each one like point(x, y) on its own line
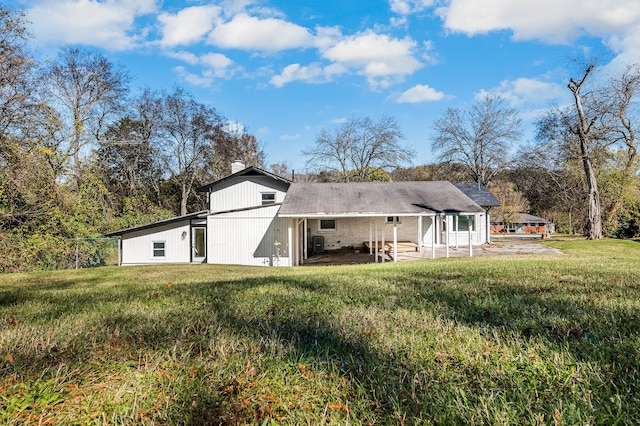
point(285, 69)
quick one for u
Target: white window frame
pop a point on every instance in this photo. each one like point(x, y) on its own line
point(471, 223)
point(394, 219)
point(268, 201)
point(153, 249)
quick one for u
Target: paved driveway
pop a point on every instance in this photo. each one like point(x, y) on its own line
point(496, 248)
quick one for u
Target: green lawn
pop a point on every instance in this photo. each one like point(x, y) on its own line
point(486, 340)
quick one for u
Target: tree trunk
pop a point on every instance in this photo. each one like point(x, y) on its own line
point(583, 131)
point(594, 225)
point(183, 200)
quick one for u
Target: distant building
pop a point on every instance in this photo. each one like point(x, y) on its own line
point(524, 224)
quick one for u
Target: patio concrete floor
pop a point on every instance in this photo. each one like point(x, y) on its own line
point(500, 247)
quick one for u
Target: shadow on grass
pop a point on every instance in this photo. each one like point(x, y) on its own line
point(299, 316)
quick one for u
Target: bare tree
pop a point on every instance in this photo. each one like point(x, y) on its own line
point(188, 129)
point(128, 151)
point(228, 145)
point(358, 147)
point(481, 139)
point(15, 69)
point(87, 90)
point(623, 91)
point(598, 131)
point(585, 128)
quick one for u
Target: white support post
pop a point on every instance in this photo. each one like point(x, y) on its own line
point(446, 236)
point(305, 240)
point(290, 241)
point(433, 236)
point(375, 251)
point(383, 231)
point(395, 242)
point(470, 238)
point(299, 239)
point(488, 227)
point(420, 234)
point(456, 229)
point(370, 237)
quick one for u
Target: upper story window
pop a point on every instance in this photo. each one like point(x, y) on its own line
point(268, 198)
point(393, 219)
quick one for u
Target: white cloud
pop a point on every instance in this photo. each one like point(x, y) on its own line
point(313, 73)
point(405, 7)
point(191, 78)
point(526, 91)
point(218, 63)
point(420, 93)
point(326, 37)
point(189, 25)
point(289, 137)
point(216, 66)
point(188, 57)
point(252, 33)
point(108, 24)
point(549, 20)
point(379, 57)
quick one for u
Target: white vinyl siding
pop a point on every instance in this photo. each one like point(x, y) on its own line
point(245, 192)
point(141, 247)
point(252, 237)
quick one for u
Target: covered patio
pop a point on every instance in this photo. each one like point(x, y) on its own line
point(382, 220)
point(496, 248)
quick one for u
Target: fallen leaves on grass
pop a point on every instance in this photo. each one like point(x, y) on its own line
point(338, 406)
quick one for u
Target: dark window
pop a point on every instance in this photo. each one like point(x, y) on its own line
point(268, 198)
point(158, 249)
point(463, 223)
point(327, 224)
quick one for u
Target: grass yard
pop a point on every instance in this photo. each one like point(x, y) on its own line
point(486, 340)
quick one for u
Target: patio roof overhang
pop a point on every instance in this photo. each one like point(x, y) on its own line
point(376, 199)
point(364, 215)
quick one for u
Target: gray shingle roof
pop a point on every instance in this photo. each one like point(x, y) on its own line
point(375, 199)
point(478, 193)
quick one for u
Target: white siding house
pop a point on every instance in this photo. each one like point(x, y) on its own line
point(257, 218)
point(241, 226)
point(168, 241)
